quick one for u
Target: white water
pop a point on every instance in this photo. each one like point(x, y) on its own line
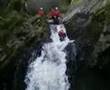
point(48, 72)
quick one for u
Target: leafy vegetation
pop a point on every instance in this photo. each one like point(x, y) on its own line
point(18, 29)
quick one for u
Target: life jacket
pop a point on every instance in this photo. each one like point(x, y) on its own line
point(57, 13)
point(54, 13)
point(40, 13)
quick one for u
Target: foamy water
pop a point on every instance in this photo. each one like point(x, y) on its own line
point(48, 72)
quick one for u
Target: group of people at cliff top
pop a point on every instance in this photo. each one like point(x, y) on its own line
point(54, 12)
point(55, 15)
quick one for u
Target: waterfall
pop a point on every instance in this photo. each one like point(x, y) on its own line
point(48, 72)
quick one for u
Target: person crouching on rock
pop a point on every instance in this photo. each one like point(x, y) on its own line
point(55, 14)
point(40, 12)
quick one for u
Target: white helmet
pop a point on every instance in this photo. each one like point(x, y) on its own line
point(56, 8)
point(41, 8)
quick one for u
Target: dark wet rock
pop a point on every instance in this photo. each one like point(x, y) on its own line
point(72, 64)
point(91, 34)
point(17, 66)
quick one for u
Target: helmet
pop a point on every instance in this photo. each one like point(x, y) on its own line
point(41, 8)
point(56, 8)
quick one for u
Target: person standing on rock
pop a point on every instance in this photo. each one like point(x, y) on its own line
point(57, 12)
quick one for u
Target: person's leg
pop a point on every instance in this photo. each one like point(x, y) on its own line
point(53, 19)
point(57, 20)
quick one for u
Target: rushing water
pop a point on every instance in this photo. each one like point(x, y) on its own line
point(48, 72)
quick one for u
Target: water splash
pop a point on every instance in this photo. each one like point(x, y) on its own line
point(48, 72)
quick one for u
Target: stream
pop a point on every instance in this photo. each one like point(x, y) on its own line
point(48, 72)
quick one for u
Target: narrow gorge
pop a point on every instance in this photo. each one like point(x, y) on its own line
point(32, 57)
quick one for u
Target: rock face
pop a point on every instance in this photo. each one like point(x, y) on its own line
point(84, 6)
point(72, 64)
point(91, 32)
point(103, 43)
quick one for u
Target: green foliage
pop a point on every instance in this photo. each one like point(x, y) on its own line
point(107, 12)
point(99, 19)
point(103, 14)
point(18, 29)
point(75, 2)
point(11, 21)
point(16, 4)
point(64, 5)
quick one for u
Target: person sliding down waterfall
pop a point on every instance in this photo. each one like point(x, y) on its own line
point(62, 35)
point(55, 15)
